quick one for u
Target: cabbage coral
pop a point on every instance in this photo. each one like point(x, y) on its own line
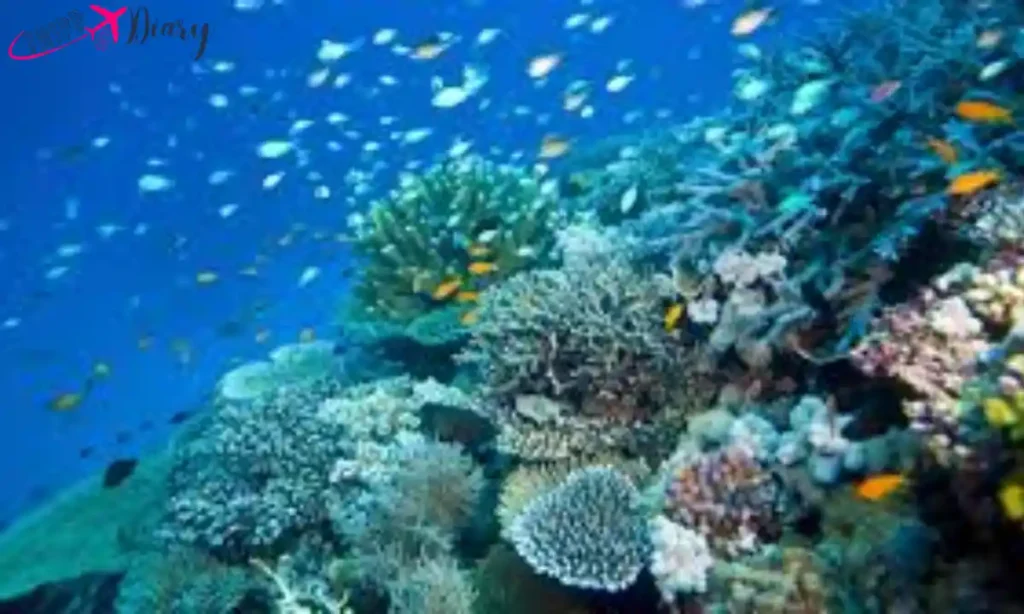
point(432, 227)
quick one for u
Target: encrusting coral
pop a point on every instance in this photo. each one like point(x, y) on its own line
point(448, 233)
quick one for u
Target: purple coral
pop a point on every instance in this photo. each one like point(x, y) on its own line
point(729, 497)
point(259, 473)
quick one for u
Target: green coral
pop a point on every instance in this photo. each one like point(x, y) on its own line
point(429, 229)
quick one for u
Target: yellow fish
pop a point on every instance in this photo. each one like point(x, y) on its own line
point(983, 111)
point(470, 317)
point(205, 277)
point(1011, 496)
point(672, 316)
point(478, 251)
point(972, 183)
point(430, 49)
point(943, 149)
point(877, 487)
point(750, 21)
point(482, 268)
point(66, 401)
point(467, 296)
point(446, 289)
point(553, 146)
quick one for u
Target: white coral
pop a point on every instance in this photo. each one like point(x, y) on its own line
point(680, 560)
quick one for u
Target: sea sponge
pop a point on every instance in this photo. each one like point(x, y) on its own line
point(429, 230)
point(589, 532)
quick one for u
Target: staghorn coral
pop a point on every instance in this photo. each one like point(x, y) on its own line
point(588, 533)
point(576, 359)
point(843, 185)
point(299, 594)
point(421, 235)
point(728, 496)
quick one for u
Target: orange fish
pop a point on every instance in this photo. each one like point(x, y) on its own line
point(972, 183)
point(482, 268)
point(446, 289)
point(879, 486)
point(470, 317)
point(983, 111)
point(943, 149)
point(467, 296)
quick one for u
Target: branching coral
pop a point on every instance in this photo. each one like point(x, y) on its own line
point(432, 586)
point(263, 471)
point(412, 506)
point(181, 580)
point(839, 177)
point(256, 475)
point(429, 230)
point(576, 358)
point(728, 496)
point(589, 532)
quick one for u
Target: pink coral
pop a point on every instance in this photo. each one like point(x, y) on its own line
point(729, 497)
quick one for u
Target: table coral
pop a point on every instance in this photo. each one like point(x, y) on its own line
point(588, 533)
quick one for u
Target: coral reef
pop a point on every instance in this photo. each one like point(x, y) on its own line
point(577, 359)
point(588, 532)
point(433, 227)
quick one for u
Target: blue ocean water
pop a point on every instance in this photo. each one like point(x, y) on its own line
point(151, 101)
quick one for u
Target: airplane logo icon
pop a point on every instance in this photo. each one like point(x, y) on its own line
point(109, 19)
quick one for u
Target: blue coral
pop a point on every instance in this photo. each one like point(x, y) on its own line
point(256, 475)
point(588, 533)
